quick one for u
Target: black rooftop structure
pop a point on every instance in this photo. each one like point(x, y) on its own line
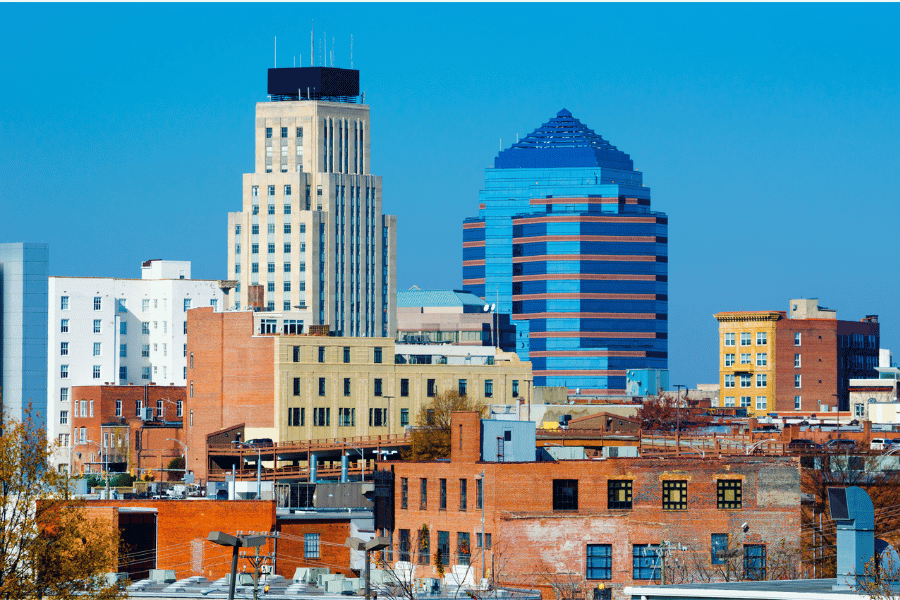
point(314, 83)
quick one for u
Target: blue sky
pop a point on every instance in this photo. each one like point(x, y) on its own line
point(768, 132)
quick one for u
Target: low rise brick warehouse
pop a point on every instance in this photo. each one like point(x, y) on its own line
point(580, 524)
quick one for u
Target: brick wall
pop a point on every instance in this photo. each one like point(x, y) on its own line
point(333, 553)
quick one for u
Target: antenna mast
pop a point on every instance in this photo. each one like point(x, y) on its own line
point(276, 51)
point(312, 54)
point(351, 50)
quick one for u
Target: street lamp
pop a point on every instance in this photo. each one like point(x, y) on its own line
point(373, 545)
point(362, 458)
point(184, 455)
point(244, 541)
point(480, 477)
point(258, 465)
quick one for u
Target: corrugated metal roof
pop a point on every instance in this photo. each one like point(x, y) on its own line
point(413, 298)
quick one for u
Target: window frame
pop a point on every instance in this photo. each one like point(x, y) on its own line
point(613, 487)
point(669, 487)
point(565, 495)
point(723, 486)
point(598, 562)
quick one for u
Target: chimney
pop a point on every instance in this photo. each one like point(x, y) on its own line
point(851, 508)
point(256, 297)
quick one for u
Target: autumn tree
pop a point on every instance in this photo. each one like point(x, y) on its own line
point(669, 413)
point(431, 435)
point(49, 544)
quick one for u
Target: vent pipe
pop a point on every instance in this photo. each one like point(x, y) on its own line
point(851, 508)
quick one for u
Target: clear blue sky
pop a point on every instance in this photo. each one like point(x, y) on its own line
point(768, 132)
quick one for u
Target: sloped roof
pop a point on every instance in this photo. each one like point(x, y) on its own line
point(414, 298)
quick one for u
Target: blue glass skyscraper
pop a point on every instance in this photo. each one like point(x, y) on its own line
point(566, 242)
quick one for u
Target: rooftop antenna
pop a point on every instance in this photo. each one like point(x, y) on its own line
point(320, 52)
point(332, 51)
point(312, 54)
point(276, 51)
point(351, 50)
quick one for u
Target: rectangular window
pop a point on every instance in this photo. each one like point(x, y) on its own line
point(123, 350)
point(321, 354)
point(376, 387)
point(145, 328)
point(63, 371)
point(745, 338)
point(745, 401)
point(619, 494)
point(462, 387)
point(96, 325)
point(487, 540)
point(63, 394)
point(645, 562)
point(718, 548)
point(311, 545)
point(404, 492)
point(271, 190)
point(423, 493)
point(762, 359)
point(515, 388)
point(761, 338)
point(479, 493)
point(729, 339)
point(431, 388)
point(754, 562)
point(96, 371)
point(565, 494)
point(97, 302)
point(463, 547)
point(121, 305)
point(346, 417)
point(145, 373)
point(761, 380)
point(63, 303)
point(746, 380)
point(797, 381)
point(377, 355)
point(321, 386)
point(488, 388)
point(797, 402)
point(96, 348)
point(346, 354)
point(322, 417)
point(123, 372)
point(404, 387)
point(403, 546)
point(64, 326)
point(123, 328)
point(463, 494)
point(145, 350)
point(762, 403)
point(145, 304)
point(404, 417)
point(729, 359)
point(268, 132)
point(187, 304)
point(64, 348)
point(745, 358)
point(674, 495)
point(598, 562)
point(797, 339)
point(797, 361)
point(729, 380)
point(63, 417)
point(346, 386)
point(444, 546)
point(442, 504)
point(728, 494)
point(83, 404)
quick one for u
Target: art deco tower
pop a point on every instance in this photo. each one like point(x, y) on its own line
point(311, 232)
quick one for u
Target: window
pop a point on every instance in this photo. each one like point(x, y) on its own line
point(96, 348)
point(321, 354)
point(96, 325)
point(268, 132)
point(63, 303)
point(729, 359)
point(254, 229)
point(123, 350)
point(797, 381)
point(762, 359)
point(271, 250)
point(322, 417)
point(754, 562)
point(271, 265)
point(321, 386)
point(745, 401)
point(98, 302)
point(346, 354)
point(598, 562)
point(718, 548)
point(287, 248)
point(377, 355)
point(404, 417)
point(761, 338)
point(463, 494)
point(63, 371)
point(729, 339)
point(404, 387)
point(728, 494)
point(746, 380)
point(745, 358)
point(515, 388)
point(745, 338)
point(797, 339)
point(63, 417)
point(284, 132)
point(859, 410)
point(271, 190)
point(346, 386)
point(645, 561)
point(377, 417)
point(444, 546)
point(488, 388)
point(64, 326)
point(311, 545)
point(145, 373)
point(479, 493)
point(487, 540)
point(674, 495)
point(462, 387)
point(423, 493)
point(123, 327)
point(187, 304)
point(346, 417)
point(145, 305)
point(64, 348)
point(442, 504)
point(619, 494)
point(797, 402)
point(179, 407)
point(729, 380)
point(797, 361)
point(96, 371)
point(430, 388)
point(404, 492)
point(761, 380)
point(761, 403)
point(376, 387)
point(565, 494)
point(63, 394)
point(254, 267)
point(83, 408)
point(145, 328)
point(145, 350)
point(121, 305)
point(294, 417)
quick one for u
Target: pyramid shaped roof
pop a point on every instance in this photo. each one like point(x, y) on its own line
point(563, 141)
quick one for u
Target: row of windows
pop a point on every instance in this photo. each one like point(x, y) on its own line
point(254, 267)
point(420, 552)
point(254, 248)
point(746, 380)
point(646, 559)
point(121, 303)
point(284, 134)
point(64, 326)
point(85, 408)
point(762, 402)
point(762, 359)
point(462, 489)
point(123, 371)
point(378, 385)
point(378, 417)
point(762, 338)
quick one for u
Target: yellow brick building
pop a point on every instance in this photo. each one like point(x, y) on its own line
point(747, 360)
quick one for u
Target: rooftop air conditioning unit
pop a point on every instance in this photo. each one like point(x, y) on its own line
point(147, 414)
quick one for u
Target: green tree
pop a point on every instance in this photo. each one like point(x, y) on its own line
point(431, 435)
point(49, 544)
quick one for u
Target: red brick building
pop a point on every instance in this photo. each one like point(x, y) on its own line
point(124, 427)
point(587, 521)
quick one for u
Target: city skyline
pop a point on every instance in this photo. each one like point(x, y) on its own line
point(762, 130)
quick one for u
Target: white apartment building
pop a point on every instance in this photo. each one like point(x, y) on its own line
point(120, 332)
point(311, 231)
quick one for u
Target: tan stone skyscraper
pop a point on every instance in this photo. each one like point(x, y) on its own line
point(311, 231)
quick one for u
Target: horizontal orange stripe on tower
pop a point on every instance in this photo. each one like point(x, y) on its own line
point(478, 244)
point(594, 257)
point(578, 296)
point(582, 219)
point(579, 372)
point(585, 315)
point(584, 277)
point(473, 225)
point(594, 334)
point(473, 263)
point(473, 281)
point(540, 201)
point(578, 353)
point(592, 392)
point(585, 238)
